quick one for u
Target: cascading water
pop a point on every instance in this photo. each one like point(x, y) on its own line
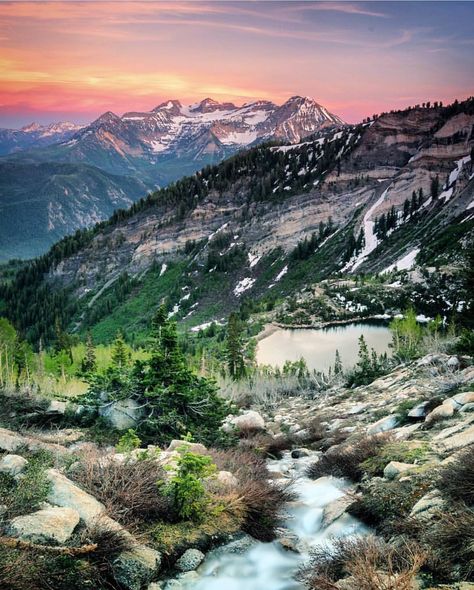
point(253, 565)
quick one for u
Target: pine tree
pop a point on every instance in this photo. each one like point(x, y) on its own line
point(434, 187)
point(119, 352)
point(89, 362)
point(337, 364)
point(234, 346)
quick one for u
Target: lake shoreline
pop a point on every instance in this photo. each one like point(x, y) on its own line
point(272, 327)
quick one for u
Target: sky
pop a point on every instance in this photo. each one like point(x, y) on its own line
point(68, 60)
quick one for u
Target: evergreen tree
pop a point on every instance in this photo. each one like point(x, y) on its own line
point(119, 352)
point(89, 362)
point(434, 187)
point(337, 364)
point(234, 347)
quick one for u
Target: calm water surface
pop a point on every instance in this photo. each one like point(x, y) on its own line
point(318, 347)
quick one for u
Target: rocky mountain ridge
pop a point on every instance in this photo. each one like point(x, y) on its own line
point(35, 135)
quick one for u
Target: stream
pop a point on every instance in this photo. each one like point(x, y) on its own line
point(253, 565)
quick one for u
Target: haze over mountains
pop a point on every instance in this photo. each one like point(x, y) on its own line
point(142, 150)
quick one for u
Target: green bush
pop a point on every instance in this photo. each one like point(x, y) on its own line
point(128, 442)
point(186, 488)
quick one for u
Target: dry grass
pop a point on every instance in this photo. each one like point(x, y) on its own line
point(346, 460)
point(262, 501)
point(366, 563)
point(456, 480)
point(266, 444)
point(128, 490)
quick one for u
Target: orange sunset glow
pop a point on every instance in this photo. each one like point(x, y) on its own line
point(76, 60)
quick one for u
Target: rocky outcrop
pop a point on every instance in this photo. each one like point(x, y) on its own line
point(65, 493)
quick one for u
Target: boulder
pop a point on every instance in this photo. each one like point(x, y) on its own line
point(9, 441)
point(56, 407)
point(394, 469)
point(122, 414)
point(335, 509)
point(467, 397)
point(227, 479)
point(65, 493)
point(445, 410)
point(198, 448)
point(137, 567)
point(419, 411)
point(51, 525)
point(12, 464)
point(453, 362)
point(427, 505)
point(298, 453)
point(382, 425)
point(249, 420)
point(190, 560)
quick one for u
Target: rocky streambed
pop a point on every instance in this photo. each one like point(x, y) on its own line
point(315, 517)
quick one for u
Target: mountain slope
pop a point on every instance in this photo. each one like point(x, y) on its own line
point(270, 222)
point(35, 136)
point(155, 148)
point(53, 200)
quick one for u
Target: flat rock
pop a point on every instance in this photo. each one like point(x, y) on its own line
point(176, 445)
point(457, 441)
point(445, 410)
point(51, 525)
point(382, 425)
point(394, 469)
point(67, 494)
point(335, 509)
point(430, 502)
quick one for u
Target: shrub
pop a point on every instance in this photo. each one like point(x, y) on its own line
point(186, 488)
point(452, 539)
point(128, 442)
point(346, 460)
point(267, 445)
point(456, 480)
point(128, 490)
point(368, 563)
point(262, 501)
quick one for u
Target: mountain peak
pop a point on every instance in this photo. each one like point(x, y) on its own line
point(172, 106)
point(209, 105)
point(108, 117)
point(31, 127)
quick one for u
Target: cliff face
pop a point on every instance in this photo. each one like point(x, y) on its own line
point(397, 154)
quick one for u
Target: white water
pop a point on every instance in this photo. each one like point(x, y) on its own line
point(267, 566)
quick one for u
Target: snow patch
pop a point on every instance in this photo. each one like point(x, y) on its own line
point(243, 286)
point(405, 263)
point(164, 266)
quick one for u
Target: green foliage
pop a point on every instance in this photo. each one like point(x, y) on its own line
point(235, 347)
point(119, 352)
point(187, 488)
point(89, 362)
point(396, 451)
point(128, 442)
point(368, 367)
point(407, 336)
point(175, 400)
point(465, 343)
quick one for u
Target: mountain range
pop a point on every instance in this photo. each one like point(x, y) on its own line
point(116, 160)
point(396, 192)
